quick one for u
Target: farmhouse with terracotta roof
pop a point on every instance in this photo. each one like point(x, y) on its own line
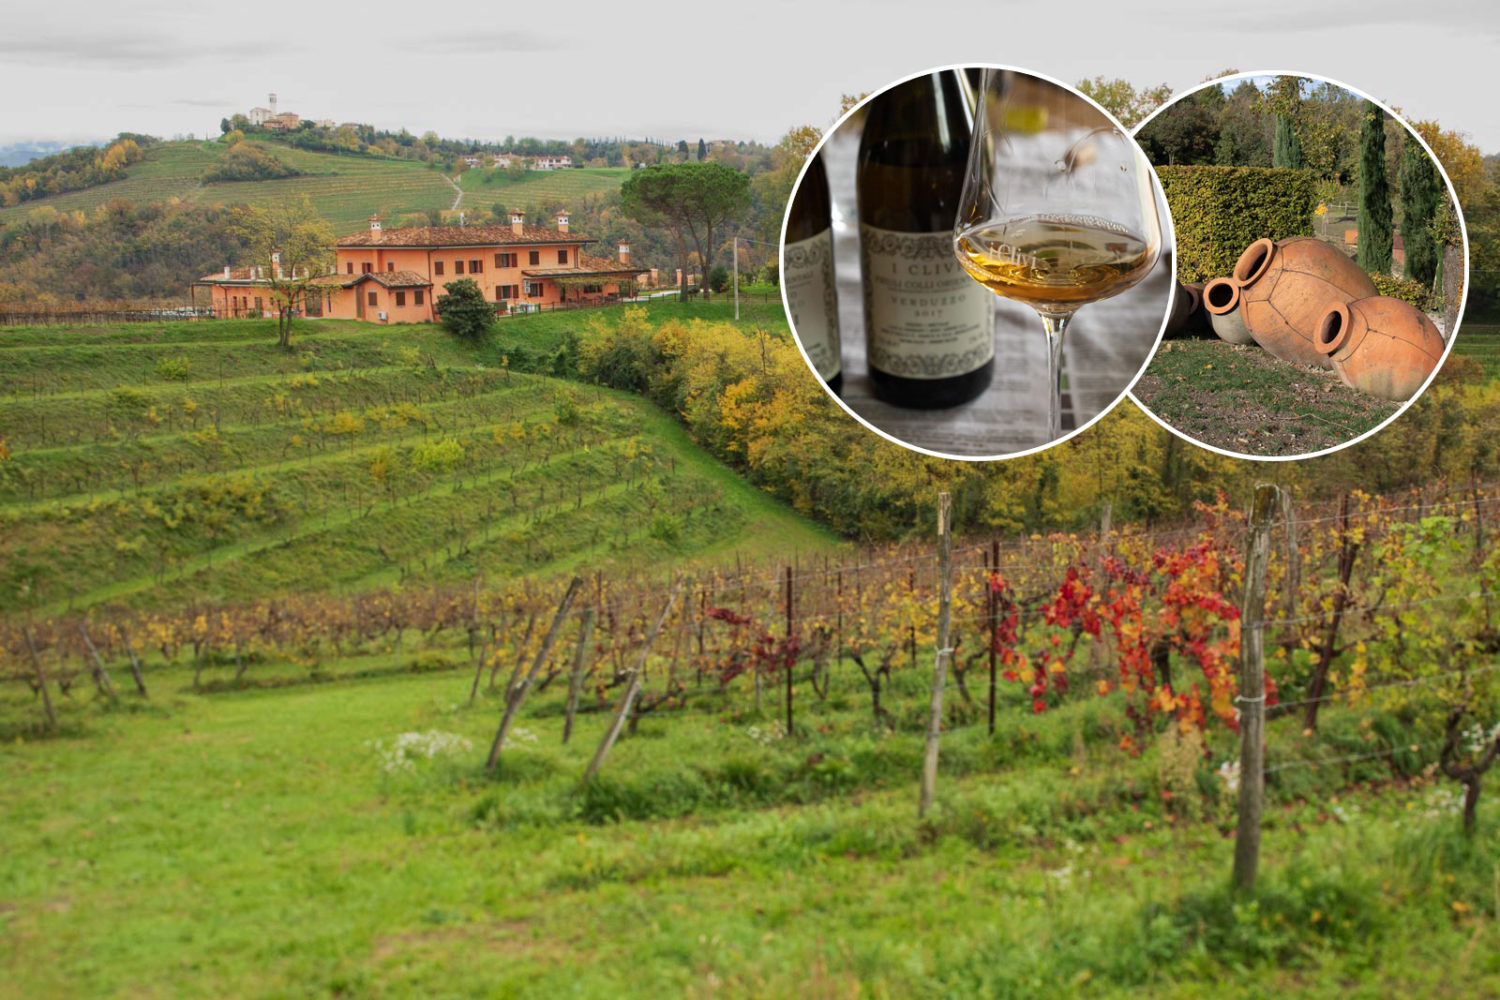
point(393, 275)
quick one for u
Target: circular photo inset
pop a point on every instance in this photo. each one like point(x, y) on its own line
point(976, 262)
point(1322, 257)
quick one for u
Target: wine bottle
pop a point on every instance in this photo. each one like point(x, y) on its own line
point(807, 277)
point(928, 328)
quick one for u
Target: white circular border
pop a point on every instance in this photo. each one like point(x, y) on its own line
point(1458, 319)
point(1156, 190)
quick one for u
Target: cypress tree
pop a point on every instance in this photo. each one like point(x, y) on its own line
point(1376, 230)
point(1421, 193)
point(1287, 151)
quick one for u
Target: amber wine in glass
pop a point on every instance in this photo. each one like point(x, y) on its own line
point(1058, 209)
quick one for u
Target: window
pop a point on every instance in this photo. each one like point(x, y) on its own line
point(458, 267)
point(476, 267)
point(349, 267)
point(371, 299)
point(258, 305)
point(505, 260)
point(562, 256)
point(390, 266)
point(533, 289)
point(503, 292)
point(366, 267)
point(416, 297)
point(437, 267)
point(400, 298)
point(536, 257)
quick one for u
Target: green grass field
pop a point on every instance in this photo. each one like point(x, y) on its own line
point(272, 843)
point(346, 190)
point(1480, 341)
point(161, 464)
point(482, 189)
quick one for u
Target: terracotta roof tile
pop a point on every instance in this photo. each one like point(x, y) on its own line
point(460, 236)
point(587, 264)
point(390, 279)
point(235, 274)
point(399, 279)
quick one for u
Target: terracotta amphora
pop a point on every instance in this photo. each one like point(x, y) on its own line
point(1380, 346)
point(1184, 307)
point(1221, 300)
point(1286, 287)
point(1197, 321)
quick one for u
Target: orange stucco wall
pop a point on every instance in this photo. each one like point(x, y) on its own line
point(353, 303)
point(238, 300)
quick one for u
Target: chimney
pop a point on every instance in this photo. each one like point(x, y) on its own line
point(460, 220)
point(624, 253)
point(518, 223)
point(226, 272)
point(562, 222)
point(276, 263)
point(374, 227)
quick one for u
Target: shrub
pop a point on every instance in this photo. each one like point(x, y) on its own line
point(1411, 292)
point(464, 311)
point(718, 278)
point(177, 369)
point(247, 162)
point(1218, 211)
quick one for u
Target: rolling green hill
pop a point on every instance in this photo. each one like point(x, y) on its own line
point(162, 465)
point(346, 190)
point(482, 188)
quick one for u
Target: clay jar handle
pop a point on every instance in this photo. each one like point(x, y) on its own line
point(1333, 329)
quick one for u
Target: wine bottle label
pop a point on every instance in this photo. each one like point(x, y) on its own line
point(925, 318)
point(813, 301)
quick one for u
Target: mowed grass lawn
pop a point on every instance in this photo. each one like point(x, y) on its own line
point(1243, 400)
point(256, 843)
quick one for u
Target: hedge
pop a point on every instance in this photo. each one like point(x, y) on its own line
point(1411, 292)
point(1219, 211)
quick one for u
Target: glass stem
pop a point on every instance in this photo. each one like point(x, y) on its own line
point(1056, 327)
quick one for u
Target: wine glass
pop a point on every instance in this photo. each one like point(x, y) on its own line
point(1057, 209)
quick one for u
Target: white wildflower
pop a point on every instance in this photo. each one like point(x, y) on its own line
point(766, 735)
point(409, 748)
point(1229, 774)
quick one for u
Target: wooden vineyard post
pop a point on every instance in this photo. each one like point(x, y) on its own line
point(1293, 581)
point(518, 693)
point(101, 676)
point(631, 690)
point(940, 664)
point(575, 679)
point(484, 649)
point(790, 657)
point(135, 663)
point(1252, 696)
point(994, 623)
point(41, 680)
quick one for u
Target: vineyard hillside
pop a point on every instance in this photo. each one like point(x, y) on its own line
point(152, 465)
point(346, 190)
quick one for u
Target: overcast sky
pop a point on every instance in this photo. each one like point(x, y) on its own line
point(748, 70)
